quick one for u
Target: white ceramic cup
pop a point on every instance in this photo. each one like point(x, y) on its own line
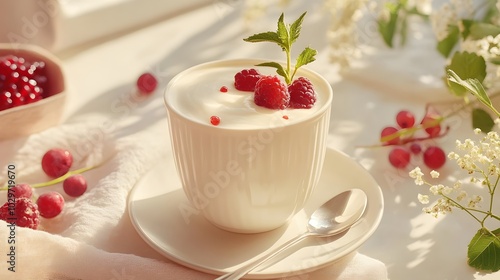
point(256, 169)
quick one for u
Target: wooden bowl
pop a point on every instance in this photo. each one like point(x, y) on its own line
point(40, 115)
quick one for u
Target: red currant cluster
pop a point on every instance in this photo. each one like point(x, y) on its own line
point(406, 144)
point(21, 207)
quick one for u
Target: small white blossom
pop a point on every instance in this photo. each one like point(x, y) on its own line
point(442, 19)
point(474, 201)
point(417, 174)
point(446, 190)
point(424, 199)
point(434, 174)
point(461, 196)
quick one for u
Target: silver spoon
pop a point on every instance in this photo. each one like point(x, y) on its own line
point(333, 217)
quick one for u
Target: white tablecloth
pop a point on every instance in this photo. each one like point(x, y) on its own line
point(101, 77)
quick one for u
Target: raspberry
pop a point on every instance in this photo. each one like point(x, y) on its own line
point(302, 93)
point(75, 185)
point(22, 212)
point(21, 82)
point(21, 190)
point(50, 204)
point(272, 93)
point(246, 79)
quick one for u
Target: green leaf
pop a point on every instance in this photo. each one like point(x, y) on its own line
point(482, 120)
point(471, 85)
point(265, 37)
point(279, 68)
point(479, 30)
point(305, 57)
point(467, 66)
point(484, 250)
point(387, 28)
point(446, 45)
point(295, 28)
point(466, 23)
point(283, 34)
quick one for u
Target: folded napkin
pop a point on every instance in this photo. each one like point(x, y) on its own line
point(93, 237)
point(58, 25)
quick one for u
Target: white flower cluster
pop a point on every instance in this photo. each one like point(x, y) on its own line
point(450, 14)
point(481, 160)
point(342, 33)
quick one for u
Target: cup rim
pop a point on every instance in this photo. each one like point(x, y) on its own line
point(251, 62)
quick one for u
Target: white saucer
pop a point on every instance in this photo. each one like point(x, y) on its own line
point(156, 202)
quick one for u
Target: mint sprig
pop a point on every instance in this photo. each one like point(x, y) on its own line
point(285, 36)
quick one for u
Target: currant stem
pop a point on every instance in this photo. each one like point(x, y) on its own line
point(56, 180)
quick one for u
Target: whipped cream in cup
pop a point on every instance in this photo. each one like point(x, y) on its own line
point(252, 172)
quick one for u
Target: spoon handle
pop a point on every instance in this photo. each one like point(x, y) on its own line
point(242, 271)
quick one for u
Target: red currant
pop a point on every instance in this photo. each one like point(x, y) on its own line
point(147, 83)
point(50, 204)
point(399, 157)
point(432, 127)
point(57, 162)
point(387, 131)
point(415, 148)
point(75, 185)
point(405, 119)
point(434, 157)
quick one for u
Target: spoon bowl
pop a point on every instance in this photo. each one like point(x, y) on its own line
point(338, 214)
point(335, 216)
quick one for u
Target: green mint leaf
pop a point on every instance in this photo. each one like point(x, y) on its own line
point(484, 250)
point(283, 34)
point(482, 120)
point(467, 66)
point(265, 37)
point(295, 28)
point(479, 30)
point(305, 57)
point(279, 69)
point(446, 45)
